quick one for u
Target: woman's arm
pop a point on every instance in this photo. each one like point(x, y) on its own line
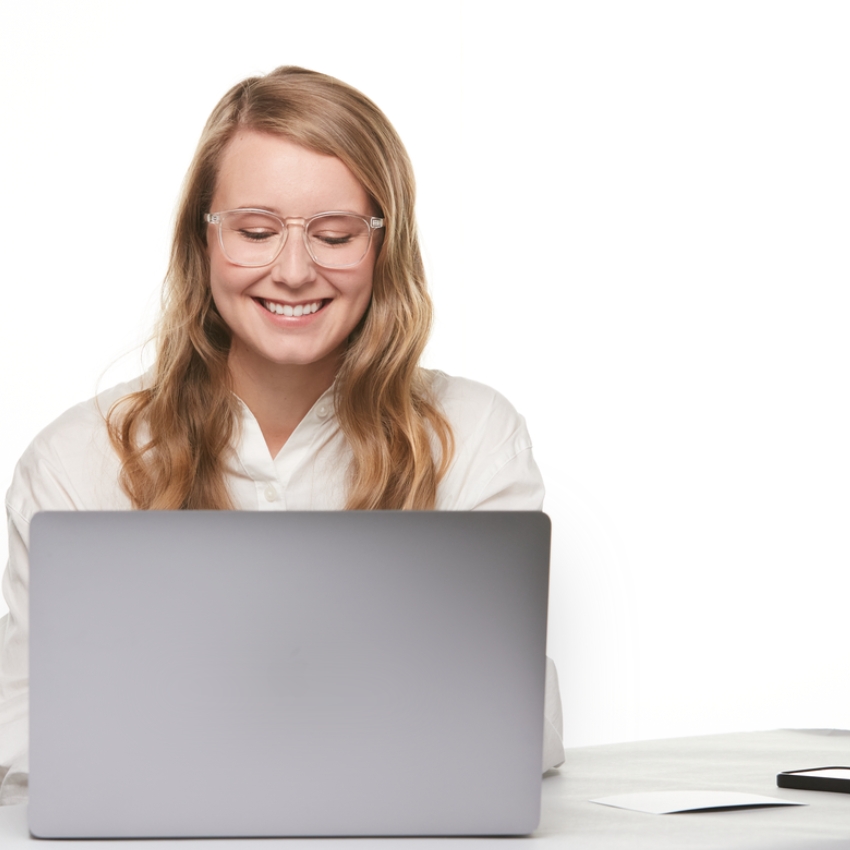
point(68, 466)
point(518, 485)
point(494, 470)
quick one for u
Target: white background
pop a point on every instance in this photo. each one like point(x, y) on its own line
point(635, 216)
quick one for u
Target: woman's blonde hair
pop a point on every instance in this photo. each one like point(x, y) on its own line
point(174, 436)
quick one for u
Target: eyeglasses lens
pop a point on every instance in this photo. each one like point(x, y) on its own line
point(255, 239)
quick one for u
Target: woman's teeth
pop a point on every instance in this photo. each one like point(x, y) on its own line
point(288, 310)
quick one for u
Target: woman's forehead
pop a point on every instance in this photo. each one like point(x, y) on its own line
point(271, 172)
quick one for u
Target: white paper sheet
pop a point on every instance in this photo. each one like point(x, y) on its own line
point(670, 802)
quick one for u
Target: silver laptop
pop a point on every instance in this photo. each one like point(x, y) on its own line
point(286, 674)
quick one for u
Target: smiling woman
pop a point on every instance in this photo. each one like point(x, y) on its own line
point(292, 145)
point(287, 374)
point(293, 313)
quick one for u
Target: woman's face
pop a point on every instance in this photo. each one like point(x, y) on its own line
point(262, 171)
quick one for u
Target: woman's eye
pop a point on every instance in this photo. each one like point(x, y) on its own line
point(333, 239)
point(333, 235)
point(257, 235)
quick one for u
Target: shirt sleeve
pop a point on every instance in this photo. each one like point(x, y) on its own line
point(14, 676)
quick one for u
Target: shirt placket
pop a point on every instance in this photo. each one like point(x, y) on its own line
point(296, 456)
point(258, 467)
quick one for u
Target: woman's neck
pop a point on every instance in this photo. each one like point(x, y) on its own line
point(279, 395)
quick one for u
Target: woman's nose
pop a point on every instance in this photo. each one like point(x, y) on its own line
point(294, 266)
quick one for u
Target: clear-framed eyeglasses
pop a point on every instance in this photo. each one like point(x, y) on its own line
point(335, 240)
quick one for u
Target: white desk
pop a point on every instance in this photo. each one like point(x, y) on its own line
point(746, 761)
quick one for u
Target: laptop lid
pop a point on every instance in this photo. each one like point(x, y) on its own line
point(239, 673)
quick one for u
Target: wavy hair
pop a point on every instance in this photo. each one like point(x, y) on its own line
point(174, 436)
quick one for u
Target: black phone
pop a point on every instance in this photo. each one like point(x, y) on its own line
point(816, 779)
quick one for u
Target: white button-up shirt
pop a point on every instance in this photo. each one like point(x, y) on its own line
point(71, 465)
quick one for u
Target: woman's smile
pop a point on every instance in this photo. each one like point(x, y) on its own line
point(282, 308)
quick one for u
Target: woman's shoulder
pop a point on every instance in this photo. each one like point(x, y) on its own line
point(470, 405)
point(83, 423)
point(70, 464)
point(492, 466)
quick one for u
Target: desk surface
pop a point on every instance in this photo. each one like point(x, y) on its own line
point(745, 761)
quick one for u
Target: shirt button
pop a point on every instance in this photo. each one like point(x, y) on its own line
point(270, 493)
point(322, 411)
